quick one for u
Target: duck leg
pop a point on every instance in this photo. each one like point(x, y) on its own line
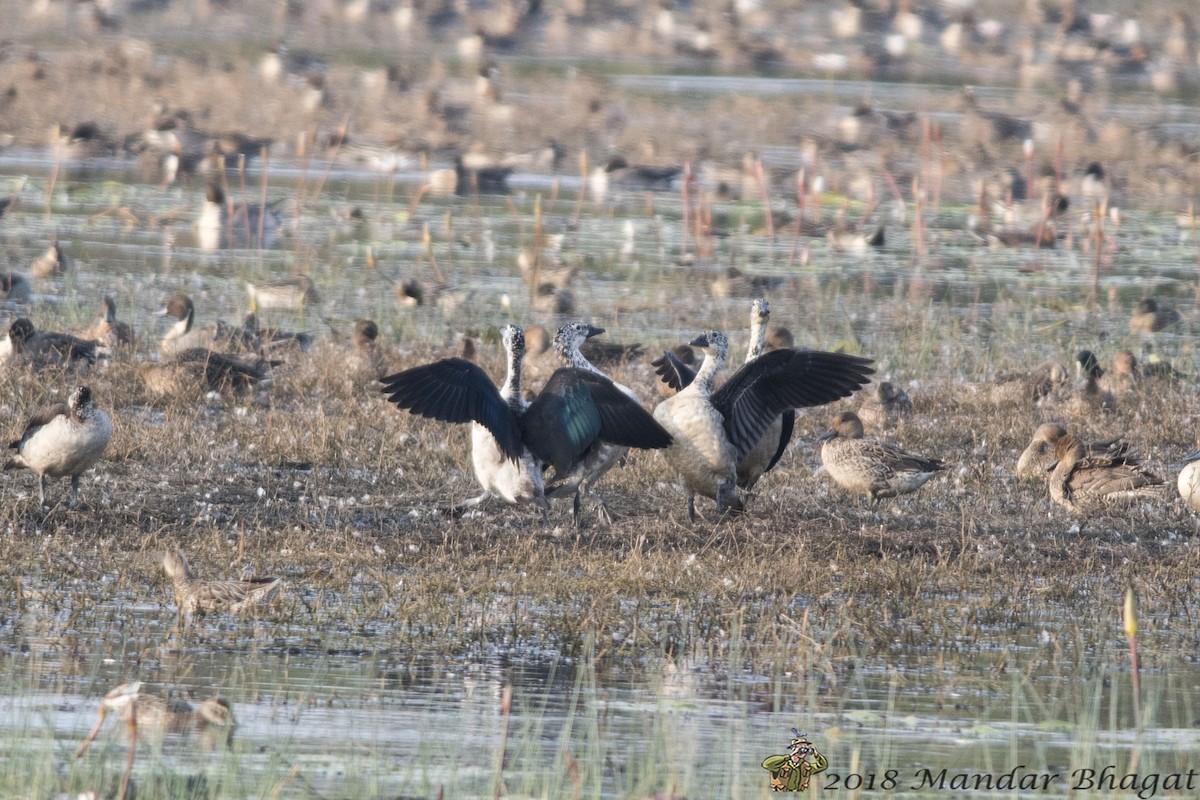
point(598, 504)
point(74, 491)
point(42, 490)
point(466, 505)
point(692, 507)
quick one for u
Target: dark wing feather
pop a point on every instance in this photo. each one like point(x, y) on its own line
point(43, 416)
point(622, 421)
point(563, 422)
point(672, 371)
point(785, 436)
point(455, 390)
point(781, 379)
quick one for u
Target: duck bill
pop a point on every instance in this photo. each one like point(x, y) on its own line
point(827, 435)
point(594, 331)
point(700, 341)
point(1052, 466)
point(1190, 457)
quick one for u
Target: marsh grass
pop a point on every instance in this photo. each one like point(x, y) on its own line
point(974, 624)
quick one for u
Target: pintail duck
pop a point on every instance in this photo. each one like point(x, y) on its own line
point(875, 469)
point(846, 238)
point(63, 439)
point(779, 338)
point(1041, 452)
point(108, 331)
point(511, 439)
point(14, 288)
point(289, 293)
point(599, 458)
point(367, 359)
point(479, 179)
point(186, 335)
point(712, 432)
point(224, 227)
point(193, 595)
point(148, 712)
point(51, 263)
point(732, 282)
point(1082, 483)
point(1124, 376)
point(272, 340)
point(885, 406)
point(198, 370)
point(1030, 387)
point(550, 300)
point(41, 349)
point(617, 172)
point(1090, 397)
point(1188, 482)
point(774, 441)
point(1149, 317)
point(409, 292)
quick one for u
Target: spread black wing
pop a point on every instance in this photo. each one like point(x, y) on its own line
point(622, 421)
point(673, 371)
point(785, 436)
point(781, 379)
point(455, 390)
point(563, 422)
point(577, 408)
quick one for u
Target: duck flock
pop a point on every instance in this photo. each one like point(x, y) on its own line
point(719, 435)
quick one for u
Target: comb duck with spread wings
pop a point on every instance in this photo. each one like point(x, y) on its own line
point(676, 374)
point(714, 431)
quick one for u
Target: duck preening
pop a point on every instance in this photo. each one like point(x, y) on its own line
point(1083, 482)
point(63, 439)
point(1040, 453)
point(511, 440)
point(714, 431)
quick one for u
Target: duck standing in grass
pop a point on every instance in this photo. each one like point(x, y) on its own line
point(865, 466)
point(63, 439)
point(1149, 317)
point(367, 361)
point(295, 293)
point(713, 432)
point(885, 406)
point(193, 595)
point(1082, 483)
point(109, 331)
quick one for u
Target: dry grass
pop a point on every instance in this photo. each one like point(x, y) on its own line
point(318, 479)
